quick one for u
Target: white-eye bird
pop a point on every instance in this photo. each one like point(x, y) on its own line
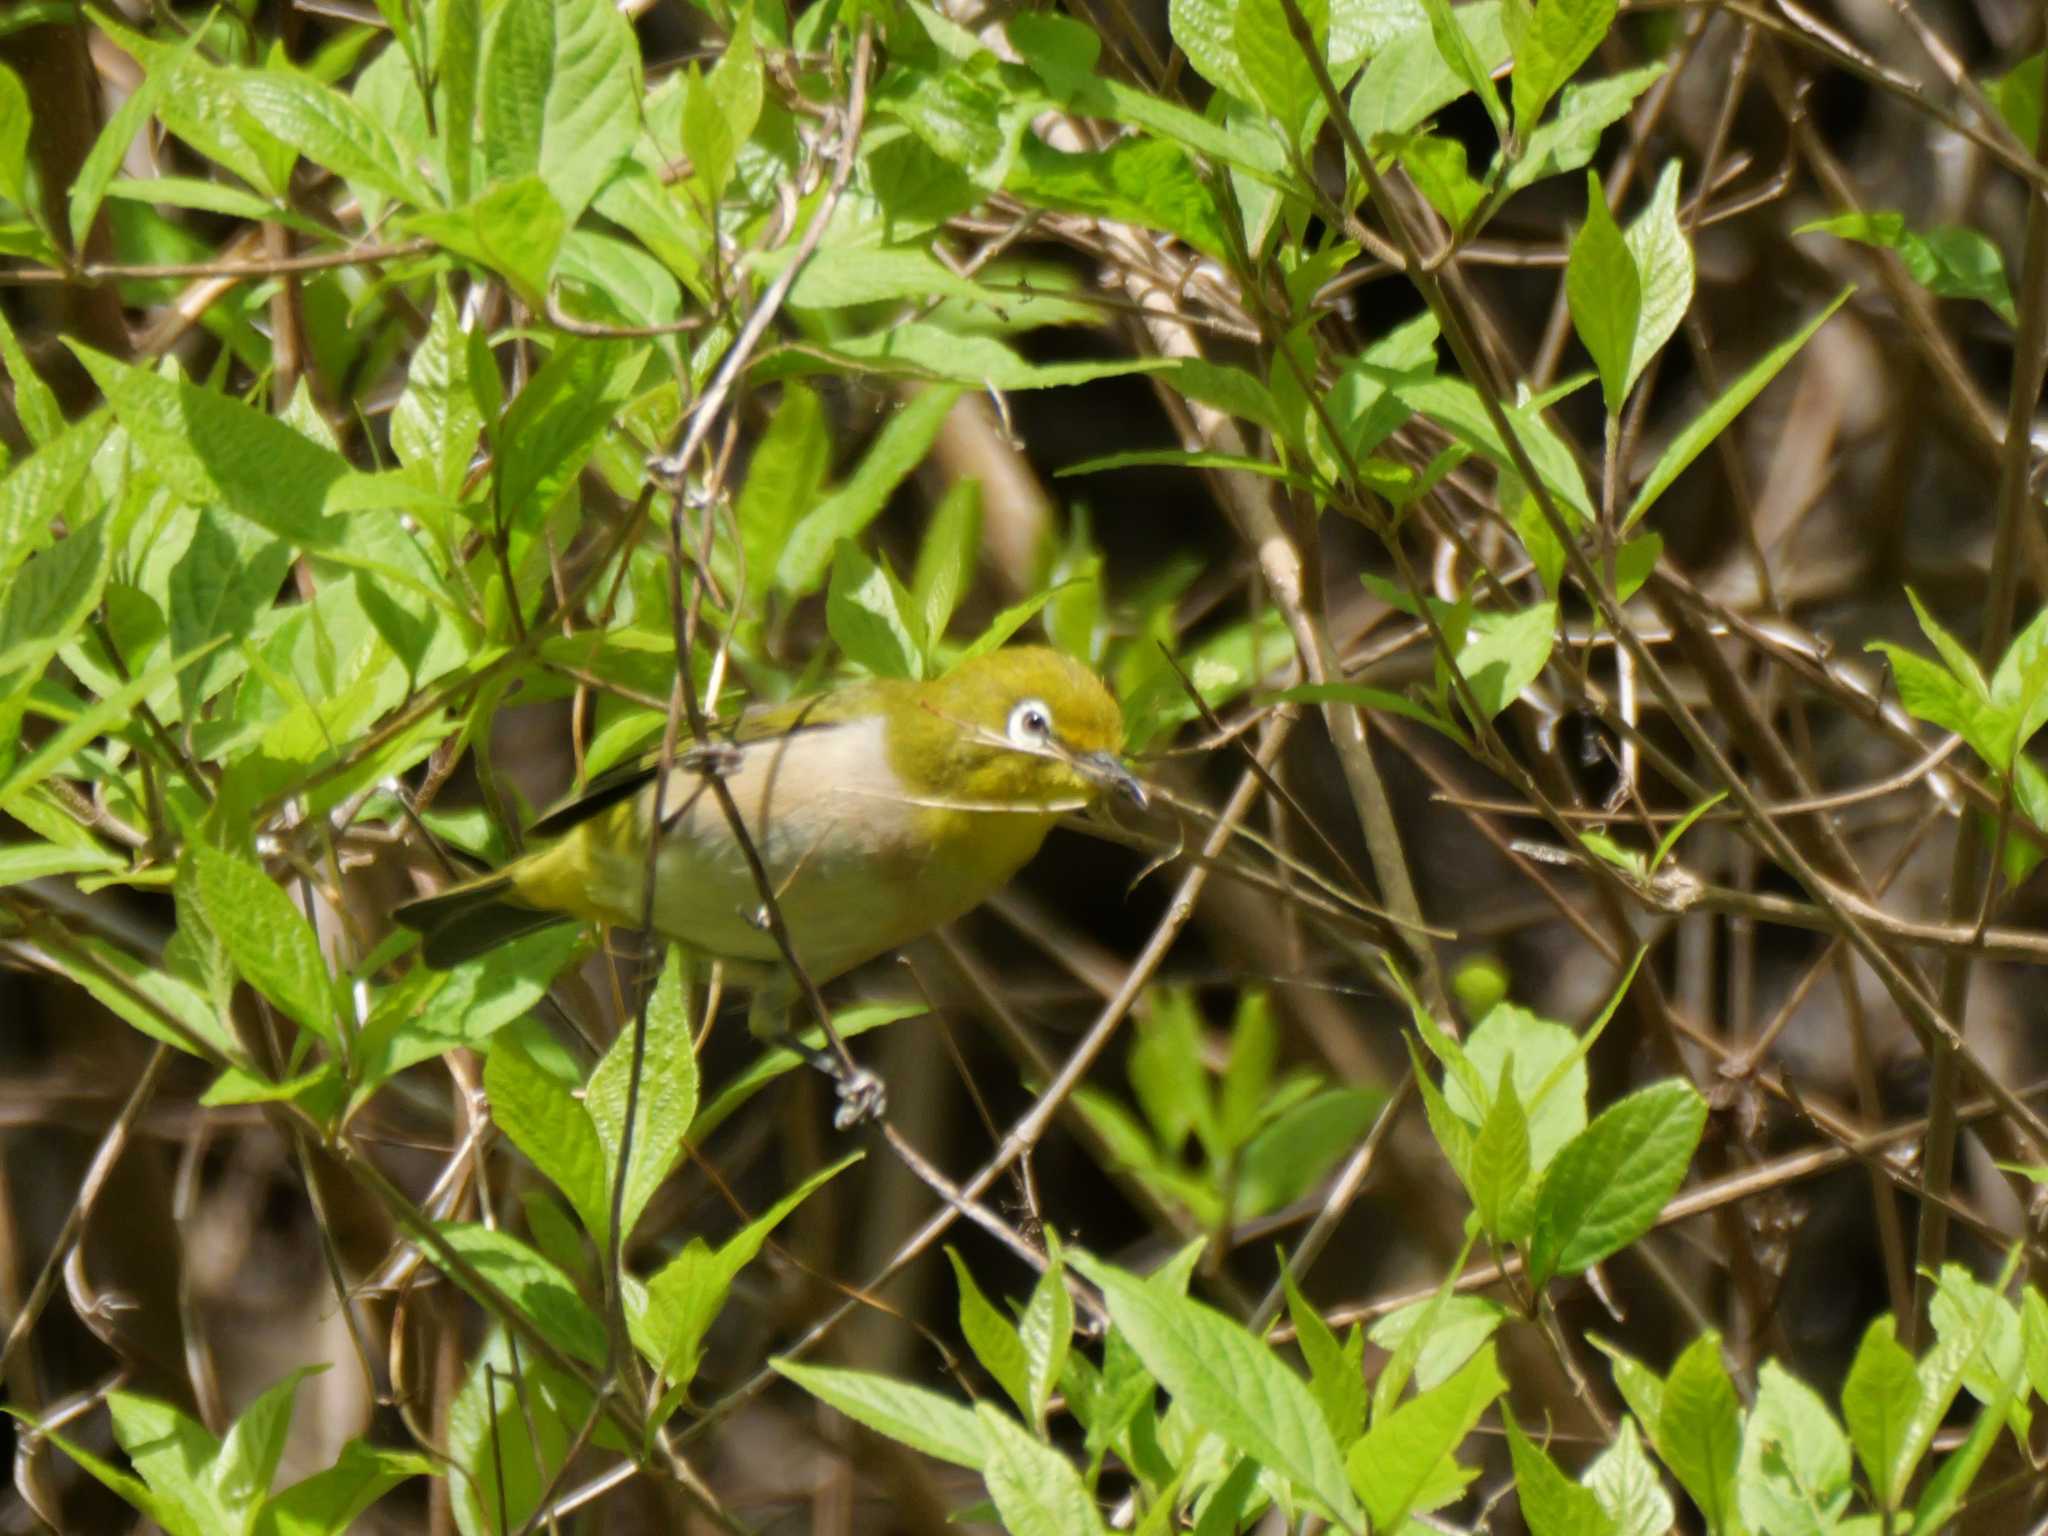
point(879, 811)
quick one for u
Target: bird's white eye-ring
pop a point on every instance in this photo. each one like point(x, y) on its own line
point(1031, 724)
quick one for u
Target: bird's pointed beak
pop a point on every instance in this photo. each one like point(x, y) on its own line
point(1108, 770)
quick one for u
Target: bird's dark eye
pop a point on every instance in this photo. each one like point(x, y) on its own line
point(1031, 724)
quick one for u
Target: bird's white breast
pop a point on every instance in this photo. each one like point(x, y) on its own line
point(846, 849)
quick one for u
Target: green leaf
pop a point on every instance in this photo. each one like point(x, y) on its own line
point(1227, 388)
point(946, 561)
point(561, 94)
point(515, 229)
point(1061, 51)
point(2017, 95)
point(1036, 1490)
point(2034, 1337)
point(616, 281)
point(1497, 1166)
point(1409, 76)
point(165, 1511)
point(1504, 653)
point(846, 278)
point(1550, 39)
point(898, 449)
point(735, 81)
point(544, 1296)
point(21, 862)
point(1144, 181)
point(1232, 1384)
point(465, 1006)
point(1455, 406)
point(176, 1456)
point(1273, 63)
point(209, 449)
point(1336, 1371)
point(254, 1444)
point(35, 403)
point(1552, 1504)
point(783, 481)
point(871, 617)
point(163, 1006)
point(227, 577)
point(1609, 1183)
point(1979, 1326)
point(1943, 1496)
point(1545, 1062)
point(1948, 261)
point(14, 126)
point(329, 1502)
point(1880, 1400)
point(1406, 1462)
point(1664, 266)
point(211, 197)
point(89, 186)
point(920, 1419)
point(1931, 693)
point(708, 139)
point(929, 351)
point(103, 715)
point(1289, 1156)
point(1454, 1327)
point(1954, 695)
point(685, 1296)
point(1699, 1434)
point(969, 114)
point(50, 599)
point(1206, 31)
point(328, 129)
point(1604, 290)
point(435, 423)
point(992, 1337)
point(510, 1429)
point(1629, 1488)
point(1165, 1070)
point(2020, 683)
point(1076, 614)
point(266, 936)
point(1466, 62)
point(1437, 167)
point(1795, 1458)
point(553, 426)
point(1178, 458)
point(1046, 1330)
point(667, 1100)
point(1243, 1090)
point(1640, 1387)
point(1571, 137)
point(1693, 439)
point(543, 1119)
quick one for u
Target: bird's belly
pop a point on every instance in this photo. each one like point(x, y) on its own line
point(857, 867)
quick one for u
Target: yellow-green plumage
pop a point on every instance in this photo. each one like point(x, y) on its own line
point(879, 810)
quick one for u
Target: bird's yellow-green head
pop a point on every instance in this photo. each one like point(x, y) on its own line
point(1022, 726)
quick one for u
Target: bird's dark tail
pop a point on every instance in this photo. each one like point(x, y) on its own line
point(466, 920)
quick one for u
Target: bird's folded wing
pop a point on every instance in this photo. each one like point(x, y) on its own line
point(628, 779)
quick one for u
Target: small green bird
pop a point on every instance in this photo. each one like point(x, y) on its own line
point(879, 810)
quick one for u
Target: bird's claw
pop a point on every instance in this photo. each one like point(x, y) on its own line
point(862, 1097)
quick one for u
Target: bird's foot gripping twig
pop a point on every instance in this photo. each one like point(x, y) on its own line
point(862, 1095)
